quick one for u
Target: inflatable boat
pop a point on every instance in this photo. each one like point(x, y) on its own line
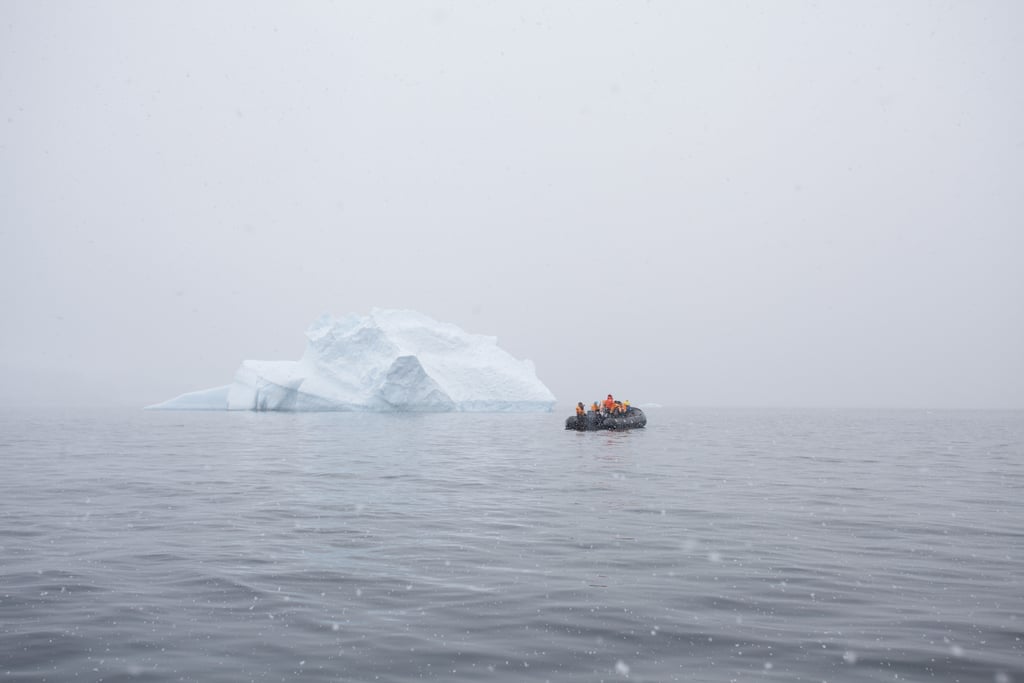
point(593, 421)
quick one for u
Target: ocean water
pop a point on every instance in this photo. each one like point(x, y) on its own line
point(711, 546)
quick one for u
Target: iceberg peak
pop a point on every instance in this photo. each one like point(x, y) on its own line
point(389, 360)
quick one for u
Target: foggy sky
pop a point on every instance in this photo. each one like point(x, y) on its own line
point(691, 203)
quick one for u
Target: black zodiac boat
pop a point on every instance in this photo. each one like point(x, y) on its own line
point(593, 421)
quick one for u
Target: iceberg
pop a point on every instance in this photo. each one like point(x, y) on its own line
point(389, 360)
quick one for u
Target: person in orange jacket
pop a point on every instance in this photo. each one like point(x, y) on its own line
point(609, 404)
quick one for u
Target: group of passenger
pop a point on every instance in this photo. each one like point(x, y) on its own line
point(607, 408)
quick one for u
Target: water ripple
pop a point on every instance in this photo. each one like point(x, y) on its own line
point(712, 546)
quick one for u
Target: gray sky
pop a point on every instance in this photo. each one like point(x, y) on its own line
point(694, 203)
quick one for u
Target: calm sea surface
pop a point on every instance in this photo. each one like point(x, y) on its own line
point(711, 546)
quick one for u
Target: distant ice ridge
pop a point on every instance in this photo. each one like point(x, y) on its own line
point(389, 360)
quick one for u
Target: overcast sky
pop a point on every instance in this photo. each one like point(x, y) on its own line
point(693, 203)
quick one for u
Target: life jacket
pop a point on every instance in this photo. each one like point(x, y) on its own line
point(609, 403)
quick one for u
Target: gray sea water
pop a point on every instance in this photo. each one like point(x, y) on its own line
point(710, 546)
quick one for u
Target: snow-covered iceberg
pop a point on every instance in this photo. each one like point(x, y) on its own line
point(389, 360)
